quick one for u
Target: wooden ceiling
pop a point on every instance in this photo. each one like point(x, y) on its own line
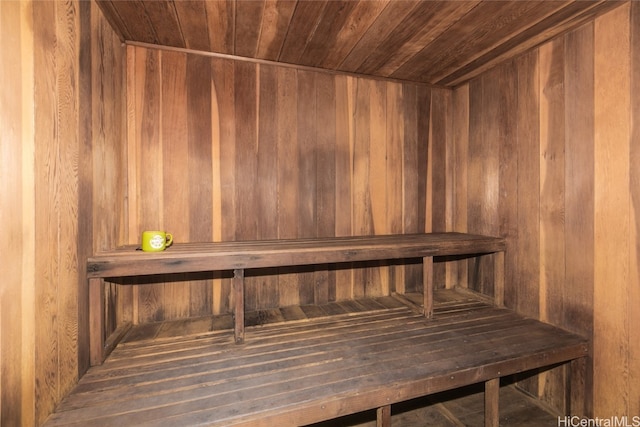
point(439, 42)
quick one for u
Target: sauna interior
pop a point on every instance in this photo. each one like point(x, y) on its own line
point(248, 120)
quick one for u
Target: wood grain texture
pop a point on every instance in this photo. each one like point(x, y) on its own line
point(613, 197)
point(578, 292)
point(258, 254)
point(460, 137)
point(297, 373)
point(62, 58)
point(552, 198)
point(52, 185)
point(175, 151)
point(634, 186)
point(56, 181)
point(575, 185)
point(434, 42)
point(525, 297)
point(17, 329)
point(301, 154)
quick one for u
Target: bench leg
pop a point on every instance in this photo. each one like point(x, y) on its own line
point(498, 278)
point(491, 408)
point(383, 416)
point(427, 281)
point(577, 398)
point(238, 294)
point(96, 321)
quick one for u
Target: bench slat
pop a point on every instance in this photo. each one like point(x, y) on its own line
point(319, 369)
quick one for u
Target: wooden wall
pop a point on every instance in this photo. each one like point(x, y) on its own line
point(542, 149)
point(546, 153)
point(62, 111)
point(223, 149)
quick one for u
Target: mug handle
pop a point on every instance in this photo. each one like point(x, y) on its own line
point(168, 240)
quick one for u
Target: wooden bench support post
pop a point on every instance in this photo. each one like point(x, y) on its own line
point(577, 398)
point(96, 321)
point(238, 294)
point(491, 407)
point(383, 416)
point(427, 291)
point(498, 278)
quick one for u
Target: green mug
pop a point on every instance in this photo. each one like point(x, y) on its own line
point(156, 241)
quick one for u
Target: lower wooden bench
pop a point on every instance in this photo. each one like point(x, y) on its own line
point(301, 372)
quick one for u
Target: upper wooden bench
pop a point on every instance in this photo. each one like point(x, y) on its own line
point(241, 255)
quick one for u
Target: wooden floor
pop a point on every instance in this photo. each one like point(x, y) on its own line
point(304, 364)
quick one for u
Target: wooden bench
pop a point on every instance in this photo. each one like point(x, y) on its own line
point(239, 256)
point(303, 371)
point(298, 373)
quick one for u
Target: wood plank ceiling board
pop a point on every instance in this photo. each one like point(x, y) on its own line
point(435, 42)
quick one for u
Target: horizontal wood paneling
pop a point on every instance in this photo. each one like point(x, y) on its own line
point(225, 149)
point(549, 144)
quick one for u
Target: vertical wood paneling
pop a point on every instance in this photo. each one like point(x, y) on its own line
point(525, 296)
point(440, 163)
point(574, 241)
point(362, 210)
point(176, 299)
point(378, 283)
point(47, 264)
point(267, 177)
point(579, 195)
point(410, 180)
point(424, 126)
point(245, 163)
point(149, 215)
point(223, 135)
point(344, 176)
point(394, 173)
point(21, 395)
point(460, 138)
point(325, 285)
point(612, 221)
point(552, 130)
point(52, 132)
point(199, 175)
point(552, 193)
point(307, 171)
point(507, 224)
point(108, 141)
point(483, 174)
point(17, 248)
point(85, 179)
point(300, 153)
point(288, 165)
point(634, 231)
point(524, 257)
